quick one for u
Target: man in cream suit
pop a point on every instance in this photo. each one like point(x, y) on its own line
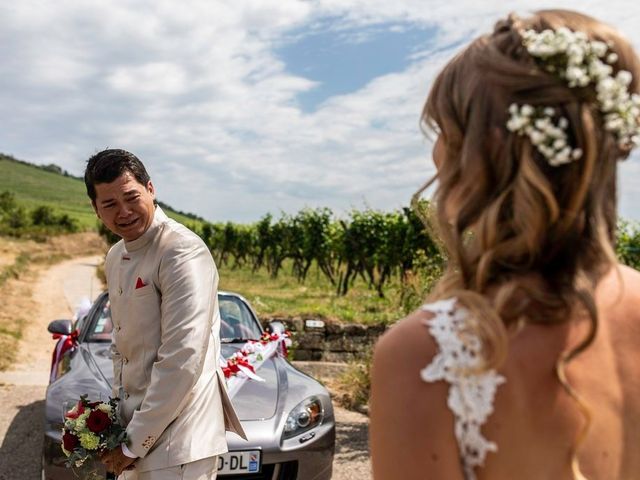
point(163, 291)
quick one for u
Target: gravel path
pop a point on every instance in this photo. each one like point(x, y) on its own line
point(21, 431)
point(351, 461)
point(22, 390)
point(57, 292)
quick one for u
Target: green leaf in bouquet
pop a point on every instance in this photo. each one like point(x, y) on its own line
point(116, 439)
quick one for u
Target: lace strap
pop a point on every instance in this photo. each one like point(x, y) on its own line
point(471, 395)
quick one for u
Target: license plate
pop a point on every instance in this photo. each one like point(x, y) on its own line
point(236, 463)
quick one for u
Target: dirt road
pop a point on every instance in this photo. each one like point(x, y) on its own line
point(58, 291)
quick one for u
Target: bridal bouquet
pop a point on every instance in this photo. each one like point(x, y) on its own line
point(91, 428)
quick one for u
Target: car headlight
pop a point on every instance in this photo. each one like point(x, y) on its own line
point(305, 416)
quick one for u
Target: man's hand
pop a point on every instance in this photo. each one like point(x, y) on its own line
point(116, 461)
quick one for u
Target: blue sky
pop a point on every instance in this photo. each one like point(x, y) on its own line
point(342, 61)
point(243, 107)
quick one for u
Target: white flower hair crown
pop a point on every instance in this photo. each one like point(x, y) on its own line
point(580, 62)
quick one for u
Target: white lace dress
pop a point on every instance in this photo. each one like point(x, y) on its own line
point(471, 395)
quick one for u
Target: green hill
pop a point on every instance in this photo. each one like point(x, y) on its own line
point(35, 185)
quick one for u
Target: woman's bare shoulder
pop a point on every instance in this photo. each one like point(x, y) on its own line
point(412, 429)
point(631, 280)
point(409, 340)
point(618, 295)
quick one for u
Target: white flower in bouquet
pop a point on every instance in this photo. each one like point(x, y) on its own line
point(106, 408)
point(81, 422)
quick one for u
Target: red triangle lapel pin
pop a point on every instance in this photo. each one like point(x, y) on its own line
point(140, 283)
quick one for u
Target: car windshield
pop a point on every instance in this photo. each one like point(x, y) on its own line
point(237, 323)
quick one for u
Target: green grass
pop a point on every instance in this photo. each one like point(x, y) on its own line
point(284, 296)
point(33, 187)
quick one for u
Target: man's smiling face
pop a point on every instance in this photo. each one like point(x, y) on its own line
point(125, 206)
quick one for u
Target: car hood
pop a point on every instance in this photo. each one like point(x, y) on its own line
point(254, 401)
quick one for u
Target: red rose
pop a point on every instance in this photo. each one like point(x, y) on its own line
point(69, 441)
point(97, 421)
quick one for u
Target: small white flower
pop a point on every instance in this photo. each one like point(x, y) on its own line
point(555, 132)
point(515, 123)
point(612, 57)
point(614, 124)
point(527, 110)
point(599, 48)
point(562, 156)
point(546, 151)
point(599, 70)
point(624, 77)
point(573, 73)
point(559, 143)
point(607, 84)
point(607, 105)
point(537, 137)
point(541, 124)
point(575, 53)
point(576, 154)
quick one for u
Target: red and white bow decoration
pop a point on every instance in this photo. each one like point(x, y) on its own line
point(243, 364)
point(67, 342)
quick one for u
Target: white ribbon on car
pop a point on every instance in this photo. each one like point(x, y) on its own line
point(255, 354)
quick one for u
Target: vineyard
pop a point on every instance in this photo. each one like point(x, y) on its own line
point(376, 247)
point(370, 245)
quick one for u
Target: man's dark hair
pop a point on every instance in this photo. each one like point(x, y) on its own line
point(107, 165)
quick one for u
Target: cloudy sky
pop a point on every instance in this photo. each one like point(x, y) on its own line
point(242, 107)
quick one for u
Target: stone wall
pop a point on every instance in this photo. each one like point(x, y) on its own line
point(329, 341)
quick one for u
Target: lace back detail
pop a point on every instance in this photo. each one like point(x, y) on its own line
point(471, 394)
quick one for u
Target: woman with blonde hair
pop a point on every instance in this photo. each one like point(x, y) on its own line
point(524, 363)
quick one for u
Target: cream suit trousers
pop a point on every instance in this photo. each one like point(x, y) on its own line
point(205, 469)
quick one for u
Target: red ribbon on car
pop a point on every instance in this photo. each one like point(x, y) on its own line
point(234, 364)
point(65, 343)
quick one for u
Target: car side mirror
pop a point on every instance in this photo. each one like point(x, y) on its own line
point(62, 327)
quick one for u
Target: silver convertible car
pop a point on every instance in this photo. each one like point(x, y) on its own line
point(288, 418)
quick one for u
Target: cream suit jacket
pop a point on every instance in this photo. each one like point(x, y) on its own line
point(166, 346)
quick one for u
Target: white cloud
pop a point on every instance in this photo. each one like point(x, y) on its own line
point(155, 78)
point(197, 91)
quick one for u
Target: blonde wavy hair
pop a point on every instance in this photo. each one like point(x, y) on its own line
point(526, 242)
